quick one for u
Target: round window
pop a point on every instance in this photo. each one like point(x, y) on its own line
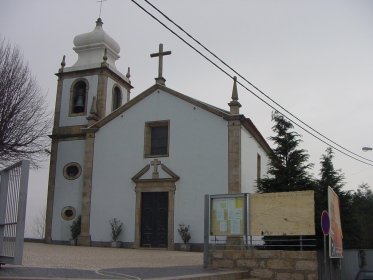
point(72, 171)
point(68, 213)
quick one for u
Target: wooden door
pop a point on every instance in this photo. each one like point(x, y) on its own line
point(154, 219)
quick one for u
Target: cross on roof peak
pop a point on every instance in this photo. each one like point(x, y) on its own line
point(160, 54)
point(100, 1)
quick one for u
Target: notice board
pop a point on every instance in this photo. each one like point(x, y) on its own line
point(227, 215)
point(282, 213)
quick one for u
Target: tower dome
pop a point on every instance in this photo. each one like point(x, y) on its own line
point(91, 46)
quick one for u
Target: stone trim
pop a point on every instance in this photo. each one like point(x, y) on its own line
point(148, 137)
point(246, 122)
point(84, 238)
point(68, 130)
point(137, 177)
point(57, 108)
point(68, 208)
point(155, 186)
point(153, 89)
point(51, 188)
point(234, 156)
point(95, 71)
point(67, 176)
point(101, 95)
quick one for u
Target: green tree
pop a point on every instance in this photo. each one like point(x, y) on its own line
point(330, 177)
point(362, 212)
point(288, 167)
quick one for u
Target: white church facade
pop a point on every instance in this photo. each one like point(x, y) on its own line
point(147, 161)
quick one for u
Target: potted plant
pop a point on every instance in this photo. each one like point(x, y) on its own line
point(75, 229)
point(116, 229)
point(184, 233)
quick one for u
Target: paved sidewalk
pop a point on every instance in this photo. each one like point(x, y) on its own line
point(43, 261)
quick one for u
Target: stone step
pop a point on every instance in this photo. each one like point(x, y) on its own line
point(221, 275)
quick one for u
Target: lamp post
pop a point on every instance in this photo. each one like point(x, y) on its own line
point(366, 149)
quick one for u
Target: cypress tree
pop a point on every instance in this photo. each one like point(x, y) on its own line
point(288, 167)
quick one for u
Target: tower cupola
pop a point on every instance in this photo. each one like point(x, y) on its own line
point(91, 46)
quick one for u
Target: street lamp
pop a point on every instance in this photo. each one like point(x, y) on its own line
point(365, 149)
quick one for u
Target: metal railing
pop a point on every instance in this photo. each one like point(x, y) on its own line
point(13, 198)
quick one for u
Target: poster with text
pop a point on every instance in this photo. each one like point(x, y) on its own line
point(335, 235)
point(227, 214)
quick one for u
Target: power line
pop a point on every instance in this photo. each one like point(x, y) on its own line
point(251, 84)
point(261, 99)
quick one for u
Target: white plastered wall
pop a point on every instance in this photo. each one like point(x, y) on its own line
point(197, 153)
point(250, 148)
point(67, 192)
point(65, 120)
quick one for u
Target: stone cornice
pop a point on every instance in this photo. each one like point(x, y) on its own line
point(235, 118)
point(151, 90)
point(95, 71)
point(143, 171)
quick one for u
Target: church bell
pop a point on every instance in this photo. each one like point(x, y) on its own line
point(79, 102)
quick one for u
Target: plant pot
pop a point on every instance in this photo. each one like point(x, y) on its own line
point(185, 247)
point(115, 244)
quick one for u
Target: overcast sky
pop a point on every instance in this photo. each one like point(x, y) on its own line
point(315, 58)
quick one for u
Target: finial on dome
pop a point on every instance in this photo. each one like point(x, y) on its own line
point(234, 91)
point(99, 22)
point(234, 104)
point(105, 55)
point(63, 63)
point(128, 75)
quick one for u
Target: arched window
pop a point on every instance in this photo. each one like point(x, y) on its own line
point(117, 97)
point(79, 98)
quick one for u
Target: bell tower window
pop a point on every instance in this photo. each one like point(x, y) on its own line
point(117, 98)
point(78, 102)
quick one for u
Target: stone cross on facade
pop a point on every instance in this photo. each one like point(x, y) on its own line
point(155, 163)
point(160, 54)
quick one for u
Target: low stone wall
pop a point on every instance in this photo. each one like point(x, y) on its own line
point(264, 264)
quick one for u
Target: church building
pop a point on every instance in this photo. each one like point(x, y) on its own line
point(147, 161)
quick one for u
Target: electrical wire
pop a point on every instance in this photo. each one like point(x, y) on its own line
point(250, 83)
point(249, 90)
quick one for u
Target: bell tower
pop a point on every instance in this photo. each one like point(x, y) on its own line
point(87, 91)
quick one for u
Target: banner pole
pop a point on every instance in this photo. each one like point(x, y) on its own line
point(325, 256)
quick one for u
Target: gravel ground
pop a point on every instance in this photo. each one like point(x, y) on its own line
point(95, 258)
